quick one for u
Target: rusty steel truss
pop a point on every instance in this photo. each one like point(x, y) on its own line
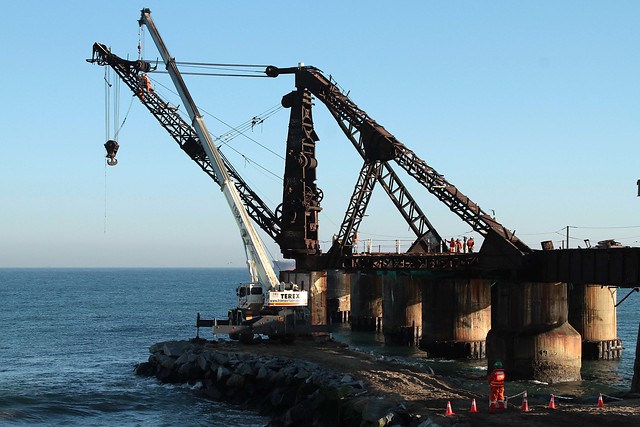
point(376, 145)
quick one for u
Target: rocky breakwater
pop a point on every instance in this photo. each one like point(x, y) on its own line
point(291, 392)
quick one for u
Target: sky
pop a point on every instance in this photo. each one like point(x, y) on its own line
point(530, 108)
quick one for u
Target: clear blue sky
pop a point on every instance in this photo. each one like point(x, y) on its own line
point(531, 108)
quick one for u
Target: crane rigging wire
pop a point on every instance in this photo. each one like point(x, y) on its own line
point(250, 125)
point(250, 161)
point(254, 120)
point(188, 73)
point(106, 130)
point(109, 89)
point(117, 132)
point(107, 102)
point(242, 127)
point(236, 131)
point(259, 70)
point(211, 64)
point(116, 108)
point(112, 106)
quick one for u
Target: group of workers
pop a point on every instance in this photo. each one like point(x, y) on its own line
point(461, 246)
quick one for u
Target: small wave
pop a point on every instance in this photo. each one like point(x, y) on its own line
point(9, 415)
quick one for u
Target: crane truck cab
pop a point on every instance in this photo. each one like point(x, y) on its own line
point(250, 296)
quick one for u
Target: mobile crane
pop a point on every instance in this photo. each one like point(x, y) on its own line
point(265, 305)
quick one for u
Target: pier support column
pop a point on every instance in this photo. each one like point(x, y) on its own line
point(338, 296)
point(592, 312)
point(366, 302)
point(530, 333)
point(401, 309)
point(315, 282)
point(456, 317)
point(635, 382)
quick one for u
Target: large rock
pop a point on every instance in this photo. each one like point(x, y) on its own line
point(172, 348)
point(245, 369)
point(203, 362)
point(263, 373)
point(235, 381)
point(145, 369)
point(376, 410)
point(223, 374)
point(292, 392)
point(162, 360)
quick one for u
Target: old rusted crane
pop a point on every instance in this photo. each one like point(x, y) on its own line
point(378, 148)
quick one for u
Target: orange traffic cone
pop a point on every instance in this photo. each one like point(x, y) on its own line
point(552, 403)
point(525, 404)
point(473, 406)
point(449, 411)
point(600, 402)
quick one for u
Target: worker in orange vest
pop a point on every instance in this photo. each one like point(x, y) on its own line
point(145, 85)
point(458, 246)
point(496, 395)
point(452, 245)
point(146, 82)
point(470, 244)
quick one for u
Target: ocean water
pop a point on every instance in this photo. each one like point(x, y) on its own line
point(72, 337)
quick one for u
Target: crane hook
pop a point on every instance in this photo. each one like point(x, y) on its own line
point(112, 149)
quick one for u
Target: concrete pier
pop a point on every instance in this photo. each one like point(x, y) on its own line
point(592, 312)
point(530, 333)
point(366, 302)
point(338, 296)
point(456, 317)
point(635, 382)
point(401, 309)
point(315, 282)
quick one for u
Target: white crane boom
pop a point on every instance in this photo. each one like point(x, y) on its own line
point(259, 265)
